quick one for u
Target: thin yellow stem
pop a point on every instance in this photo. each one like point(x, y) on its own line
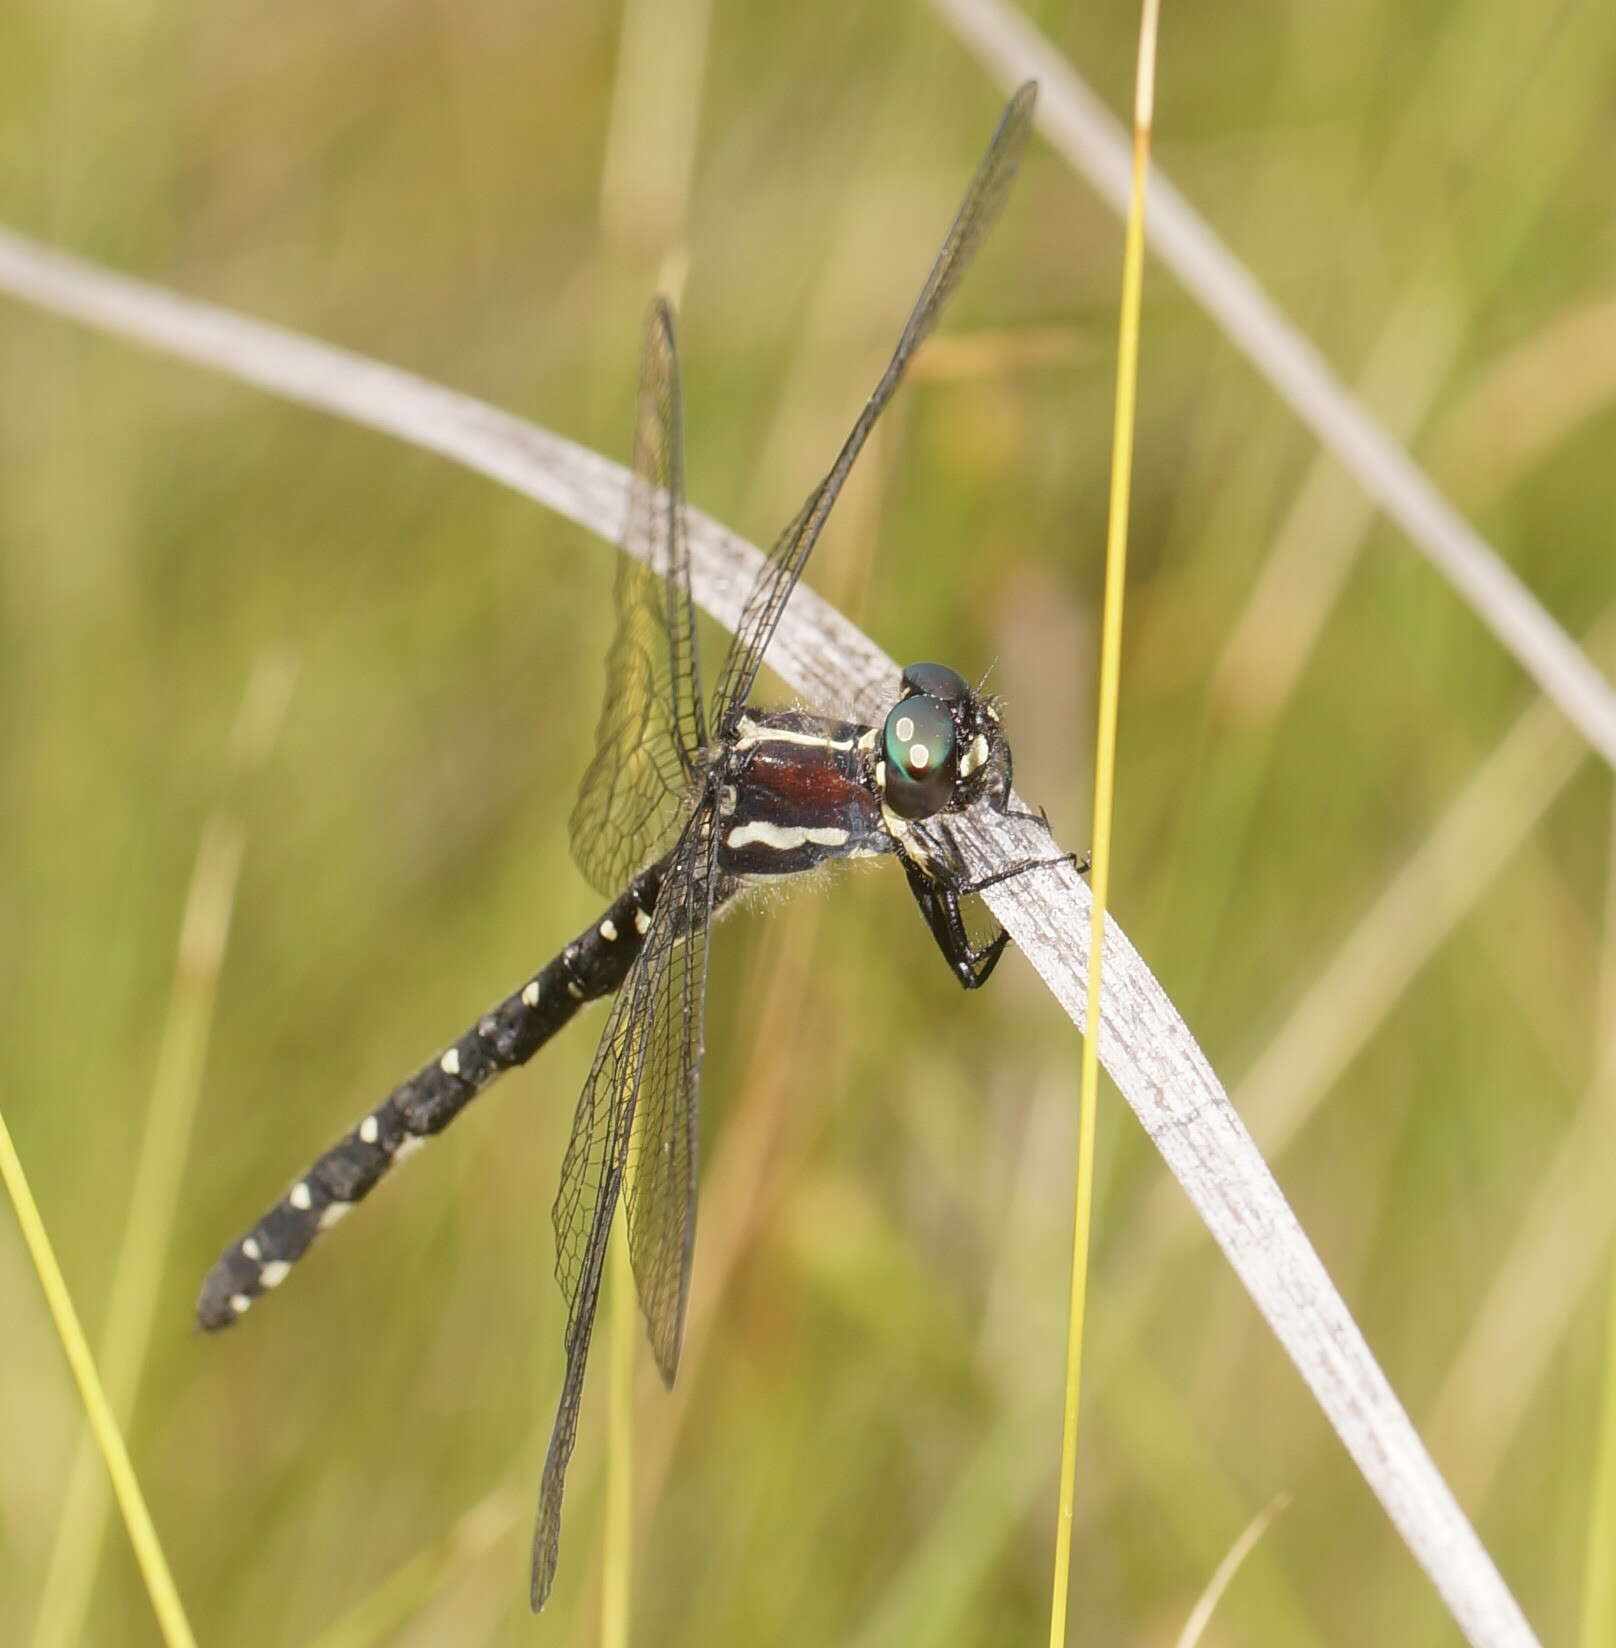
point(1105, 754)
point(1599, 1567)
point(617, 1561)
point(142, 1534)
point(126, 1334)
point(154, 1196)
point(1598, 1624)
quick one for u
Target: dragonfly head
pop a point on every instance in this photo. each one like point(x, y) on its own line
point(942, 747)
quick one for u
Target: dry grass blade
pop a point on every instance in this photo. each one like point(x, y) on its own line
point(1540, 1284)
point(1144, 1045)
point(1530, 401)
point(1201, 1614)
point(1416, 910)
point(1148, 1051)
point(1078, 125)
point(1323, 533)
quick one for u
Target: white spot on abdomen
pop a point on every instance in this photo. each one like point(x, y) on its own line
point(642, 922)
point(449, 1064)
point(530, 994)
point(300, 1198)
point(608, 931)
point(333, 1214)
point(273, 1274)
point(370, 1130)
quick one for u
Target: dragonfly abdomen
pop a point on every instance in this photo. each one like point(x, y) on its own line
point(592, 966)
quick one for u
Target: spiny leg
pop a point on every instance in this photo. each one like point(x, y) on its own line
point(939, 908)
point(592, 966)
point(965, 888)
point(938, 896)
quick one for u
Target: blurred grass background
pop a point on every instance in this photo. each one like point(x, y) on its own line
point(862, 1448)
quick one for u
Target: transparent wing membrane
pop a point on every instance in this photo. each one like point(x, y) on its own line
point(978, 210)
point(635, 1126)
point(663, 1138)
point(651, 727)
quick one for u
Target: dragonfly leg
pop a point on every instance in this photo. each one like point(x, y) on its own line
point(939, 902)
point(1022, 868)
point(940, 908)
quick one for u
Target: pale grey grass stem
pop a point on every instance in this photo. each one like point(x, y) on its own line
point(1419, 346)
point(1080, 128)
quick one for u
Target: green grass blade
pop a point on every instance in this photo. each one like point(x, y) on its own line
point(165, 1598)
point(165, 1143)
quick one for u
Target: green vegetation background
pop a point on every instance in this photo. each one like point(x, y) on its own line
point(863, 1444)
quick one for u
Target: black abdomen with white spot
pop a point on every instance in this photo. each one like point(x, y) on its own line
point(592, 966)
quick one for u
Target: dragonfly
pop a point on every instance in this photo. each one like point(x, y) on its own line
point(684, 807)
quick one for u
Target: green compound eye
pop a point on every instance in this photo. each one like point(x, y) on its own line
point(919, 746)
point(935, 680)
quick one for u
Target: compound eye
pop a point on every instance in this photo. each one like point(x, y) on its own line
point(920, 746)
point(935, 681)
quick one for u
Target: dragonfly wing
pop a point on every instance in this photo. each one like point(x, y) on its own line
point(641, 1091)
point(663, 428)
point(651, 729)
point(983, 201)
point(663, 1144)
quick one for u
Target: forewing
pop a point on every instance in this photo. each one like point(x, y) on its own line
point(651, 726)
point(980, 207)
point(679, 606)
point(649, 1056)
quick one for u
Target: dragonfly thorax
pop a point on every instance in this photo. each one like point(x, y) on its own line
point(797, 790)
